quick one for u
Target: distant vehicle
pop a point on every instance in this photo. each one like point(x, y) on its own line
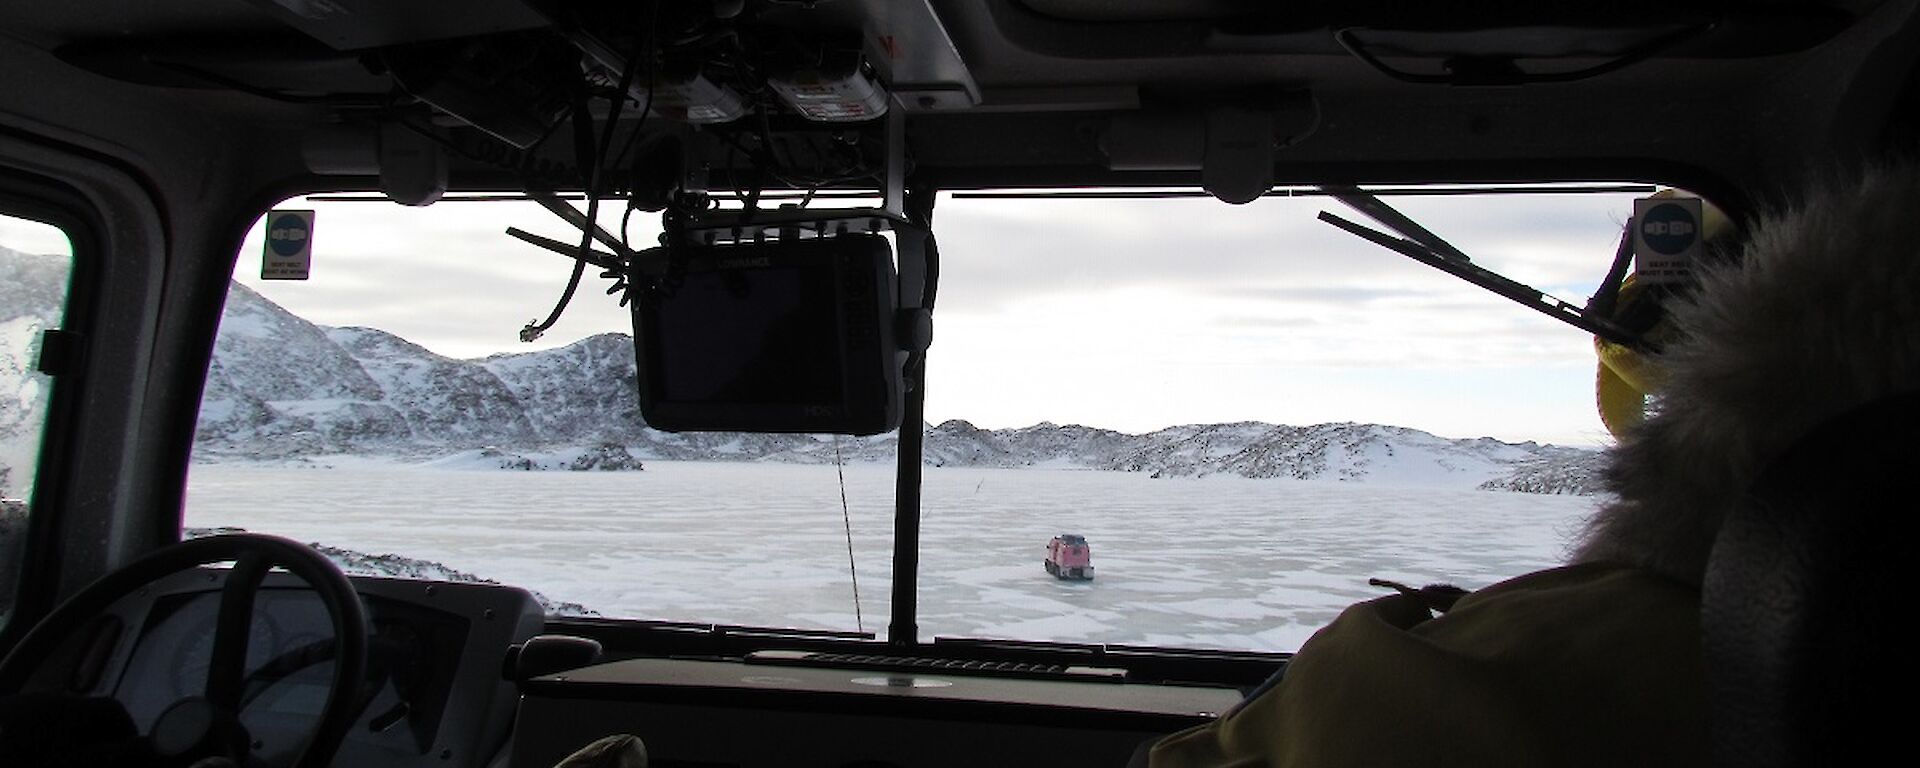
point(1069, 557)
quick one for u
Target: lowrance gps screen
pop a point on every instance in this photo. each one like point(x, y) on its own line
point(771, 337)
point(751, 336)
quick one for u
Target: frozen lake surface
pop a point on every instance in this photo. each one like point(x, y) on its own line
point(1222, 562)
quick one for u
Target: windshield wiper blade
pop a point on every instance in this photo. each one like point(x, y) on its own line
point(1427, 248)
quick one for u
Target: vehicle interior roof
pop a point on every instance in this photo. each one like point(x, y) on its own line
point(1742, 98)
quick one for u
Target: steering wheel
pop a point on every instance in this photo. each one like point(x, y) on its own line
point(253, 555)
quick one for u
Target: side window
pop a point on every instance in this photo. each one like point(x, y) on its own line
point(35, 262)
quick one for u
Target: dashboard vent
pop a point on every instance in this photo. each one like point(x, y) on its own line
point(883, 663)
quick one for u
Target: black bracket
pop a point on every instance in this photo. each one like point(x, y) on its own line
point(60, 352)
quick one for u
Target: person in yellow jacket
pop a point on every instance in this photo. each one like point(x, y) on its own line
point(1598, 663)
point(1626, 376)
point(1588, 665)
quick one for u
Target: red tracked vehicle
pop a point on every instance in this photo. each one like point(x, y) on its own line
point(1069, 557)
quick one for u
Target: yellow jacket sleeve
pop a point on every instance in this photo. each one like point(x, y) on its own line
point(1588, 665)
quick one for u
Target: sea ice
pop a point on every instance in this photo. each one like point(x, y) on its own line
point(1223, 562)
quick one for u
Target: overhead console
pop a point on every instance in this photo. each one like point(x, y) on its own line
point(1428, 42)
point(789, 93)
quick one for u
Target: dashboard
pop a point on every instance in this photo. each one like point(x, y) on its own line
point(781, 709)
point(437, 695)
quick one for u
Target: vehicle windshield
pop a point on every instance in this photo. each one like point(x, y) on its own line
point(1242, 413)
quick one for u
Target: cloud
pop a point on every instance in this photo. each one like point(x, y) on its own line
point(446, 276)
point(1269, 323)
point(1338, 296)
point(997, 251)
point(1135, 314)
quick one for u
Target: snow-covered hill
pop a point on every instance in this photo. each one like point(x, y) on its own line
point(282, 388)
point(1369, 453)
point(580, 393)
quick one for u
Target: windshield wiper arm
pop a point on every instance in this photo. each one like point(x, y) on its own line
point(600, 259)
point(570, 215)
point(1392, 219)
point(1427, 248)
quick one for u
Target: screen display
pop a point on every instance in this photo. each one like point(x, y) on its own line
point(763, 335)
point(791, 336)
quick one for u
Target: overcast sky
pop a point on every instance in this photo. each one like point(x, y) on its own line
point(32, 236)
point(1131, 315)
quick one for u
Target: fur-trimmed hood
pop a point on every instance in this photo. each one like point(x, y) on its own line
point(1819, 315)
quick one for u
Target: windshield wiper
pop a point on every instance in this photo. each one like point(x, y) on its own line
point(1421, 245)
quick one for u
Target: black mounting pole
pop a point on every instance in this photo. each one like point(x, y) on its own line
point(919, 279)
point(902, 630)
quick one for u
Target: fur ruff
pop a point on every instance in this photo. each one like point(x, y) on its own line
point(1820, 315)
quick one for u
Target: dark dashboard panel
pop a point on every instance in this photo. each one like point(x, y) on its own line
point(434, 663)
point(723, 713)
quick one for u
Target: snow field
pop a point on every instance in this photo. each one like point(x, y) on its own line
point(1222, 562)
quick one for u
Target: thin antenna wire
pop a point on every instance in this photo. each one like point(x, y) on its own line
point(847, 517)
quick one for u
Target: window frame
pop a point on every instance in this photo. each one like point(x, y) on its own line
point(33, 197)
point(79, 528)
